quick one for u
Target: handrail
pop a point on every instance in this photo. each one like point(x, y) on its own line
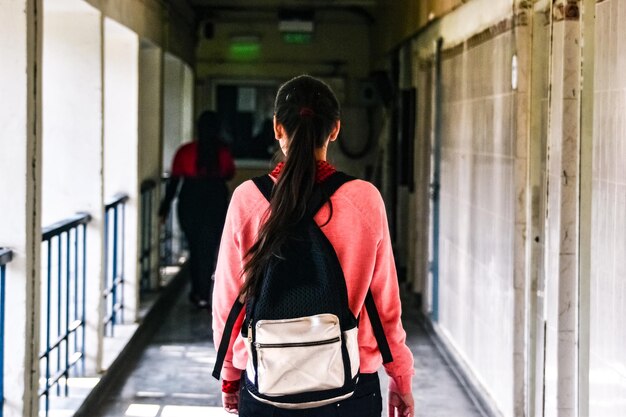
point(148, 196)
point(170, 251)
point(62, 226)
point(6, 255)
point(114, 251)
point(147, 185)
point(115, 200)
point(64, 280)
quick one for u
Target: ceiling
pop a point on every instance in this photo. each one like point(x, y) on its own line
point(205, 8)
point(276, 4)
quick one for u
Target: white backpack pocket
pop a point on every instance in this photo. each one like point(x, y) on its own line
point(299, 355)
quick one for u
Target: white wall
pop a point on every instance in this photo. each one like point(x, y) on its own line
point(150, 90)
point(72, 119)
point(178, 113)
point(607, 396)
point(188, 120)
point(150, 133)
point(173, 113)
point(20, 164)
point(476, 296)
point(121, 151)
point(73, 138)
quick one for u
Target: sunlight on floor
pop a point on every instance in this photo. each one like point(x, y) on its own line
point(188, 411)
point(152, 410)
point(142, 410)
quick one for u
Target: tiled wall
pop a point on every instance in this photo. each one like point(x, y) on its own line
point(476, 295)
point(608, 244)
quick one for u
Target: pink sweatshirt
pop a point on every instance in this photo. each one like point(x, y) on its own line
point(359, 233)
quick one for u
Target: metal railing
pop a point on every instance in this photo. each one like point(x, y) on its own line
point(166, 251)
point(148, 191)
point(5, 257)
point(114, 245)
point(63, 303)
point(172, 242)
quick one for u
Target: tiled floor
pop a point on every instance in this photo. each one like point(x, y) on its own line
point(173, 377)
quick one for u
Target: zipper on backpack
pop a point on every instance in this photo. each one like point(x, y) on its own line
point(250, 331)
point(301, 344)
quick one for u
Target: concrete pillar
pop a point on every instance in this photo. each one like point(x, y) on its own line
point(150, 135)
point(177, 120)
point(20, 222)
point(173, 80)
point(422, 177)
point(405, 209)
point(521, 82)
point(188, 119)
point(565, 142)
point(537, 206)
point(121, 151)
point(587, 126)
point(72, 141)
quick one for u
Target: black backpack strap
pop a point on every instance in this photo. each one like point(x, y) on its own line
point(265, 184)
point(321, 193)
point(325, 189)
point(226, 336)
point(377, 326)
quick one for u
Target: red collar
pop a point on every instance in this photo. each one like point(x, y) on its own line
point(324, 170)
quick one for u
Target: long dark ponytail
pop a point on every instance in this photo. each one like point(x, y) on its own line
point(208, 142)
point(308, 110)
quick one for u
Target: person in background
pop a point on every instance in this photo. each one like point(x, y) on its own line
point(203, 167)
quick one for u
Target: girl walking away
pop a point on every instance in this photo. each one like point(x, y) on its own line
point(306, 305)
point(203, 166)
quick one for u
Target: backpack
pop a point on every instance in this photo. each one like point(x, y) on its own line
point(299, 332)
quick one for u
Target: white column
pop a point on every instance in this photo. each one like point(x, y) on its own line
point(188, 119)
point(172, 108)
point(121, 152)
point(175, 122)
point(20, 226)
point(150, 136)
point(565, 139)
point(537, 206)
point(588, 21)
point(72, 141)
point(520, 80)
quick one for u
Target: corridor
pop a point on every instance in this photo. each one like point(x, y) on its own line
point(494, 132)
point(173, 376)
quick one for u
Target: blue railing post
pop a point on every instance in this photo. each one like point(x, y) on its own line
point(64, 292)
point(5, 257)
point(113, 261)
point(148, 189)
point(84, 296)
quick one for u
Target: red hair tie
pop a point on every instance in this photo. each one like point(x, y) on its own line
point(306, 112)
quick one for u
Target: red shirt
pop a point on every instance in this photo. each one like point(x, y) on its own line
point(324, 170)
point(185, 163)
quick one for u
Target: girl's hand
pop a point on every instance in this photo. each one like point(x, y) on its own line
point(402, 403)
point(231, 402)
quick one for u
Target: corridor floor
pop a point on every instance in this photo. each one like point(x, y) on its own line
point(173, 376)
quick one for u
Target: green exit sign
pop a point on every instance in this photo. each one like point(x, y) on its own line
point(245, 51)
point(300, 38)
